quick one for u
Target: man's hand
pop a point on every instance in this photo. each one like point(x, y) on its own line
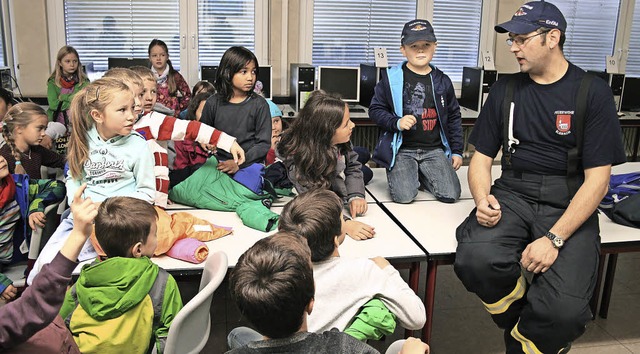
point(228, 167)
point(9, 293)
point(46, 142)
point(37, 219)
point(358, 230)
point(84, 212)
point(539, 255)
point(238, 153)
point(456, 162)
point(357, 206)
point(407, 122)
point(381, 262)
point(488, 211)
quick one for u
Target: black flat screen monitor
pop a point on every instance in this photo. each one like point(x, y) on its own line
point(369, 77)
point(471, 95)
point(631, 95)
point(127, 62)
point(209, 72)
point(344, 81)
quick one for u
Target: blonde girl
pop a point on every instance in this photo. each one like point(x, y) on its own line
point(105, 153)
point(23, 129)
point(65, 81)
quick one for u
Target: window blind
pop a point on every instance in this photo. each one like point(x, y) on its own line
point(3, 55)
point(345, 33)
point(633, 57)
point(457, 27)
point(591, 31)
point(121, 28)
point(222, 24)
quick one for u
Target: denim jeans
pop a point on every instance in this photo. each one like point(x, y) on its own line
point(431, 168)
point(240, 336)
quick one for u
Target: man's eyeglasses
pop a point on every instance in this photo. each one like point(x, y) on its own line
point(521, 42)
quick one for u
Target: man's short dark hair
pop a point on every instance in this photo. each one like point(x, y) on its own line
point(314, 215)
point(272, 284)
point(121, 223)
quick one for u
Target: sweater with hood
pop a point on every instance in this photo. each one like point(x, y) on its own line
point(120, 166)
point(119, 308)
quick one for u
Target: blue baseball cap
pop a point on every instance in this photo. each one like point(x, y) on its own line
point(273, 108)
point(417, 30)
point(533, 15)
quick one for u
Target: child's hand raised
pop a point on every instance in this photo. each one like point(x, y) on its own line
point(84, 212)
point(237, 152)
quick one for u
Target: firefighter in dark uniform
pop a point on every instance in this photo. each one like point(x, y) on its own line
point(539, 218)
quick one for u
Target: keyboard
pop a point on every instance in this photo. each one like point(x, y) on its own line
point(356, 110)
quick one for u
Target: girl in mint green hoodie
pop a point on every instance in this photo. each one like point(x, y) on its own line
point(105, 153)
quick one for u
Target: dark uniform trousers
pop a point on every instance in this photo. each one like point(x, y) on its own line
point(551, 312)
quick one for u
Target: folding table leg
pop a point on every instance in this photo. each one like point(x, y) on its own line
point(608, 285)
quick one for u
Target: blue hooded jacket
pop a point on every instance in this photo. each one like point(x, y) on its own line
point(386, 111)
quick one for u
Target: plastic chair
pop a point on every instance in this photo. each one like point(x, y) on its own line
point(190, 328)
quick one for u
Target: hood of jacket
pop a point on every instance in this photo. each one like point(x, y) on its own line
point(110, 288)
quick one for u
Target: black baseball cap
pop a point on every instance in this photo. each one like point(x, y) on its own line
point(533, 15)
point(417, 30)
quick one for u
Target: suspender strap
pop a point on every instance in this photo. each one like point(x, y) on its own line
point(506, 110)
point(574, 155)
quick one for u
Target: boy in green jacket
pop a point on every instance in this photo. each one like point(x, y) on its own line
point(127, 303)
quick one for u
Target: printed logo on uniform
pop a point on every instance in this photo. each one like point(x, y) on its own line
point(563, 123)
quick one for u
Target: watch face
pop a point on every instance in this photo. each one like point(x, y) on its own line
point(558, 242)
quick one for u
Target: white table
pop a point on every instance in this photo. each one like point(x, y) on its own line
point(379, 187)
point(390, 242)
point(282, 201)
point(615, 239)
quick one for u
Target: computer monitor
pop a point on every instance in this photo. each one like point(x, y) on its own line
point(631, 95)
point(209, 72)
point(344, 81)
point(127, 62)
point(369, 77)
point(471, 95)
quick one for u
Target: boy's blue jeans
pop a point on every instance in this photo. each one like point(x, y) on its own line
point(431, 168)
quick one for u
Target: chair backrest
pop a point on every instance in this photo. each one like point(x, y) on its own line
point(190, 328)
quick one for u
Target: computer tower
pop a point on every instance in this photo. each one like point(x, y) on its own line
point(303, 77)
point(5, 78)
point(489, 77)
